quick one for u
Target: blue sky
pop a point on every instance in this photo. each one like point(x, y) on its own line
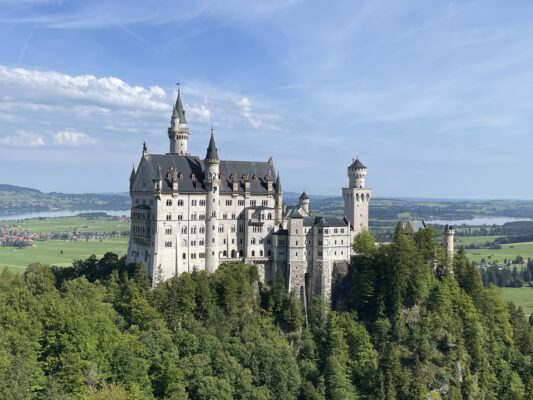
point(435, 97)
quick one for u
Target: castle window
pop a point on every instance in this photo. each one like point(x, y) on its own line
point(193, 176)
point(193, 202)
point(169, 202)
point(241, 253)
point(201, 217)
point(261, 240)
point(224, 253)
point(180, 202)
point(253, 202)
point(320, 254)
point(342, 230)
point(180, 217)
point(261, 253)
point(201, 243)
point(232, 241)
point(342, 241)
point(253, 253)
point(193, 229)
point(202, 202)
point(184, 256)
point(202, 229)
point(228, 202)
point(320, 242)
point(168, 244)
point(184, 229)
point(269, 216)
point(265, 203)
point(224, 216)
point(233, 228)
point(297, 232)
point(252, 241)
point(169, 217)
point(296, 243)
point(269, 241)
point(168, 230)
point(269, 253)
point(233, 254)
point(254, 177)
point(233, 216)
point(240, 202)
point(193, 255)
point(201, 255)
point(213, 228)
point(241, 229)
point(193, 216)
point(193, 242)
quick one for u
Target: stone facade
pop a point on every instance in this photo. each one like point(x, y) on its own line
point(191, 213)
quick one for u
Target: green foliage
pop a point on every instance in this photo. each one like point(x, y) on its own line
point(99, 331)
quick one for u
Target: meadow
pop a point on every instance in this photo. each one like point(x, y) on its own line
point(507, 251)
point(522, 297)
point(70, 224)
point(49, 252)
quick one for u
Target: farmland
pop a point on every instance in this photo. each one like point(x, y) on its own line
point(522, 297)
point(58, 252)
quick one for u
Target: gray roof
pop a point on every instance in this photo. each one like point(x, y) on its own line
point(357, 164)
point(278, 184)
point(178, 111)
point(304, 196)
point(212, 153)
point(191, 170)
point(326, 221)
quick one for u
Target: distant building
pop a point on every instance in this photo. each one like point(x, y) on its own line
point(196, 213)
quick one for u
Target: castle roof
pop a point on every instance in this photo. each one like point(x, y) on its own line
point(326, 221)
point(191, 171)
point(357, 164)
point(304, 196)
point(212, 153)
point(178, 111)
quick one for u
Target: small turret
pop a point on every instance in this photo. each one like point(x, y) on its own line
point(303, 202)
point(447, 241)
point(132, 178)
point(158, 182)
point(357, 174)
point(212, 153)
point(178, 132)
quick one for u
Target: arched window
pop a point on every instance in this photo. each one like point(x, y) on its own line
point(183, 229)
point(169, 202)
point(221, 228)
point(169, 217)
point(193, 229)
point(253, 241)
point(261, 253)
point(253, 253)
point(233, 228)
point(184, 256)
point(269, 215)
point(180, 202)
point(269, 253)
point(241, 253)
point(168, 230)
point(202, 229)
point(224, 253)
point(233, 254)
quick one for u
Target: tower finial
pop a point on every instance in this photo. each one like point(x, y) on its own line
point(145, 147)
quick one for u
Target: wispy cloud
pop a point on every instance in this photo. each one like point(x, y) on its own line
point(69, 137)
point(22, 139)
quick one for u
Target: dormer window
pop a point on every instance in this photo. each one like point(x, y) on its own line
point(180, 176)
point(193, 176)
point(254, 177)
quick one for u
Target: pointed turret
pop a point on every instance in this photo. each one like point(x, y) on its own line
point(212, 153)
point(278, 185)
point(132, 178)
point(304, 202)
point(178, 112)
point(178, 132)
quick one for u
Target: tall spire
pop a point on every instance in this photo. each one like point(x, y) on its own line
point(212, 153)
point(278, 184)
point(178, 111)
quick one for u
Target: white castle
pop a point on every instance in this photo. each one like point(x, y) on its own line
point(192, 213)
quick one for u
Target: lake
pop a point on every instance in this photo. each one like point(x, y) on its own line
point(62, 213)
point(477, 221)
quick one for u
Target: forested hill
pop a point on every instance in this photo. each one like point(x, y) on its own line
point(17, 199)
point(399, 331)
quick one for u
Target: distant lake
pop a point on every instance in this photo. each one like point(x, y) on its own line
point(63, 213)
point(477, 221)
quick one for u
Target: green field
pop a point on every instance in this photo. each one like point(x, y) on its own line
point(49, 252)
point(508, 251)
point(522, 297)
point(69, 224)
point(466, 240)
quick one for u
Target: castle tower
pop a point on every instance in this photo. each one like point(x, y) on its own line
point(212, 183)
point(279, 201)
point(178, 132)
point(447, 241)
point(356, 197)
point(303, 202)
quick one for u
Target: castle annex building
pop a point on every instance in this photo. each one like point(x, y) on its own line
point(190, 212)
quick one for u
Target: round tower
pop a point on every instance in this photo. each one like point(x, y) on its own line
point(303, 202)
point(178, 132)
point(447, 240)
point(212, 185)
point(357, 174)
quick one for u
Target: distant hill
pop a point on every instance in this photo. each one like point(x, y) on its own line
point(17, 189)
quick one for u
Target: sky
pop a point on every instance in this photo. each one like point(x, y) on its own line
point(434, 97)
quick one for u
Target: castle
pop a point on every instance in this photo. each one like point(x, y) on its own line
point(196, 213)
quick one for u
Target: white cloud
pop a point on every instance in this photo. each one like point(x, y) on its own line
point(72, 138)
point(201, 111)
point(106, 91)
point(22, 139)
point(246, 107)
